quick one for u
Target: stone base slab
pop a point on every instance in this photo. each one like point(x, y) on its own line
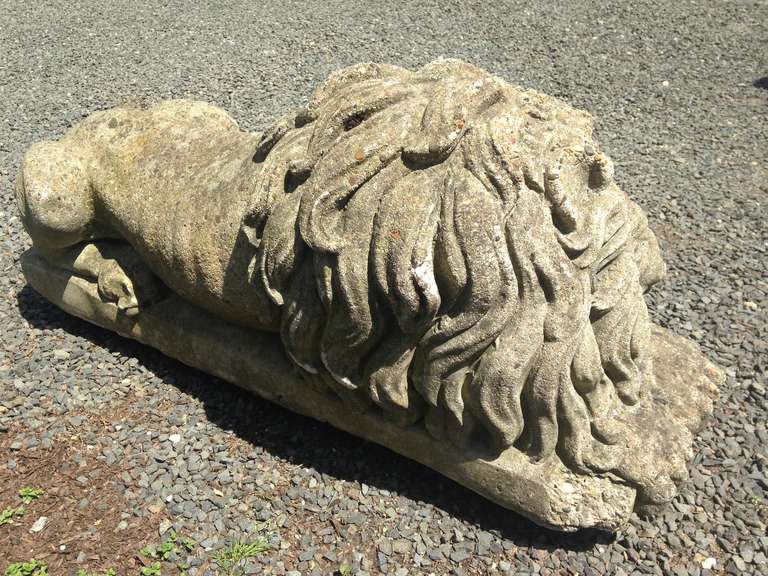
point(546, 492)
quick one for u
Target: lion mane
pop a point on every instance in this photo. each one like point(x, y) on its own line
point(448, 248)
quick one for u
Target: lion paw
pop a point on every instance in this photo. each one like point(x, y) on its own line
point(115, 286)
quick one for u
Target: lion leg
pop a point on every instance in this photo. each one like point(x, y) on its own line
point(120, 274)
point(56, 201)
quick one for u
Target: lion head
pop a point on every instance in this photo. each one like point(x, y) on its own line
point(448, 248)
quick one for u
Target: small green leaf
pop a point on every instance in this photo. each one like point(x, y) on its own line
point(151, 570)
point(188, 543)
point(8, 514)
point(28, 494)
point(31, 568)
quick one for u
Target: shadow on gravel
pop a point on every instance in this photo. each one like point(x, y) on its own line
point(311, 444)
point(761, 83)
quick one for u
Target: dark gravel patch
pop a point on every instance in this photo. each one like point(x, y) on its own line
point(680, 92)
point(81, 517)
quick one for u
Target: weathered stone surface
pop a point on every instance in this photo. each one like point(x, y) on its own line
point(451, 268)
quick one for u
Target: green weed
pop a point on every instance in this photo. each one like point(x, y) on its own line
point(31, 568)
point(172, 545)
point(232, 559)
point(164, 550)
point(188, 543)
point(151, 570)
point(8, 514)
point(28, 494)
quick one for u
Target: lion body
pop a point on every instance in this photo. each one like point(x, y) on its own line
point(436, 245)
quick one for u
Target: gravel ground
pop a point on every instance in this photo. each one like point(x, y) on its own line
point(681, 96)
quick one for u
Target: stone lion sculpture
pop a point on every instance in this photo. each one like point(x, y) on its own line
point(437, 247)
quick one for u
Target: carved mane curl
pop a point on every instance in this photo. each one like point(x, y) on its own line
point(446, 246)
